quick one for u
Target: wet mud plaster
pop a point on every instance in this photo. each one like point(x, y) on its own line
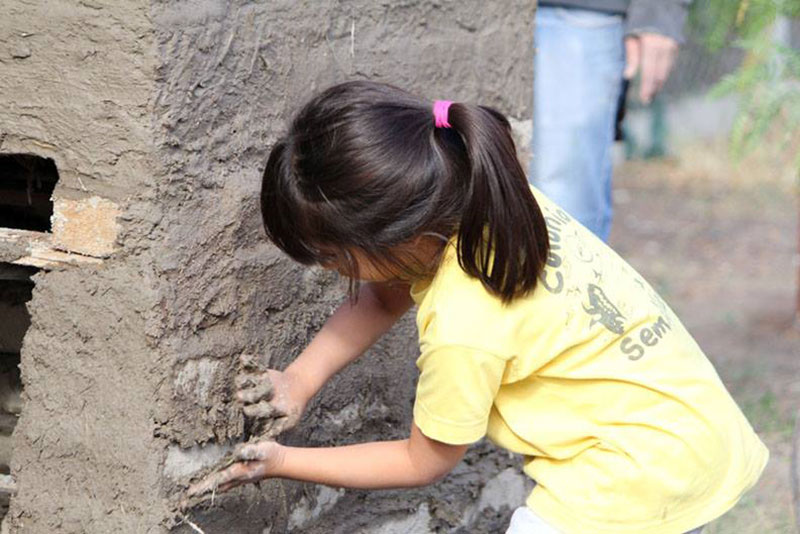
point(168, 110)
point(84, 455)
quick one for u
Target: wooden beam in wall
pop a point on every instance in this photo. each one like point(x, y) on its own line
point(34, 249)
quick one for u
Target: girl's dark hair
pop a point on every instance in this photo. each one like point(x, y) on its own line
point(363, 168)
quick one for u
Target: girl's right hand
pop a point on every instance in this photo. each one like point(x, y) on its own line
point(273, 399)
point(253, 461)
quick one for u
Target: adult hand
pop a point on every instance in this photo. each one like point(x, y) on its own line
point(652, 54)
point(274, 400)
point(252, 462)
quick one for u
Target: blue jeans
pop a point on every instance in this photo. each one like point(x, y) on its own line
point(578, 66)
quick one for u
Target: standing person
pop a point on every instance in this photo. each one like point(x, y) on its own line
point(580, 60)
point(531, 331)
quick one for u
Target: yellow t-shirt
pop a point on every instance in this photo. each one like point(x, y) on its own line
point(623, 422)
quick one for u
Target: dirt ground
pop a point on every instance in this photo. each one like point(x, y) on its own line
point(717, 238)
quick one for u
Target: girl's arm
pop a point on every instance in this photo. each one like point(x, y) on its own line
point(416, 461)
point(351, 330)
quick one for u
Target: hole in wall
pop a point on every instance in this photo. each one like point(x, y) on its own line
point(26, 187)
point(16, 287)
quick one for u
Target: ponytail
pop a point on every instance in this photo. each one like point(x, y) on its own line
point(502, 235)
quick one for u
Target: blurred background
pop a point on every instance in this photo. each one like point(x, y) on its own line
point(706, 197)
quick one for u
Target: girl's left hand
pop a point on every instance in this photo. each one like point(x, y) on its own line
point(253, 462)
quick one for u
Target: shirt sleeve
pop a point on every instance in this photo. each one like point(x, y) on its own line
point(455, 393)
point(665, 17)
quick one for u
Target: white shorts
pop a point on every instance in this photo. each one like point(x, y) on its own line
point(525, 521)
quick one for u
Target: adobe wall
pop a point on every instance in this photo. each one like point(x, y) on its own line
point(159, 116)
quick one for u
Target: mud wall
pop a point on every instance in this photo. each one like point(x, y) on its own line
point(167, 110)
point(75, 85)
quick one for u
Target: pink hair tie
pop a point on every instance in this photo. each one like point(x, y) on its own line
point(440, 108)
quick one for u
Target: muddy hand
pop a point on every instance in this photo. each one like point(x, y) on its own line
point(269, 398)
point(252, 462)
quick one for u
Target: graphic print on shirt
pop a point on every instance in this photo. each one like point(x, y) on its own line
point(582, 252)
point(552, 277)
point(558, 278)
point(603, 311)
point(635, 345)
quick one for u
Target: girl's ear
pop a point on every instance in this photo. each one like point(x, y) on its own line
point(427, 248)
point(421, 243)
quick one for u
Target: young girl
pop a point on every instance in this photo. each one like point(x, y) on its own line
point(532, 332)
